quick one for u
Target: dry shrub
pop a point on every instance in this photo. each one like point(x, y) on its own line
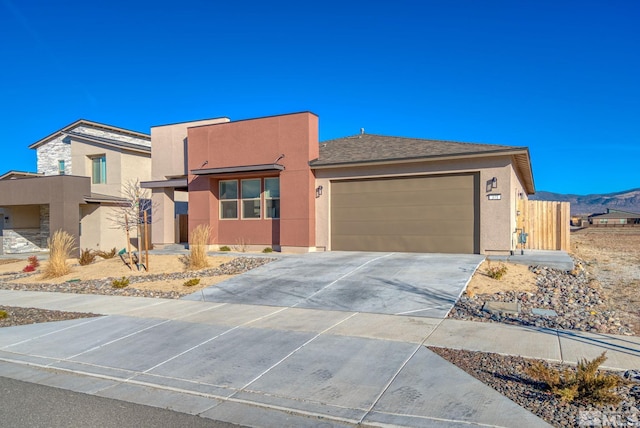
point(87, 257)
point(585, 382)
point(107, 254)
point(61, 244)
point(496, 272)
point(197, 257)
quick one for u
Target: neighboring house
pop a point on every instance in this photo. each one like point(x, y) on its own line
point(615, 217)
point(169, 181)
point(269, 182)
point(81, 171)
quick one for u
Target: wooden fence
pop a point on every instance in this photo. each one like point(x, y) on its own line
point(547, 224)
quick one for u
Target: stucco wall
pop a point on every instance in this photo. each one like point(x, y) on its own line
point(256, 142)
point(169, 149)
point(495, 215)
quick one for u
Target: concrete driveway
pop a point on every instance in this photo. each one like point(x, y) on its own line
point(422, 285)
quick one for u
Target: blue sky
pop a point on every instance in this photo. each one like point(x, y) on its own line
point(561, 77)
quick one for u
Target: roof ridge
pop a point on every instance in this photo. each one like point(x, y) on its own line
point(357, 136)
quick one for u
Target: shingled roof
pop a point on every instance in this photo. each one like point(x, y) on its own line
point(377, 148)
point(371, 148)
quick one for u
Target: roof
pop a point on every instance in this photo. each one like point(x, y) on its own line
point(108, 141)
point(371, 148)
point(613, 213)
point(10, 175)
point(99, 197)
point(91, 124)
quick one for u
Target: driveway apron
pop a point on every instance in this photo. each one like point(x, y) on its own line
point(424, 285)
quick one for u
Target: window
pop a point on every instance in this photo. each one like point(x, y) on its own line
point(61, 167)
point(228, 198)
point(272, 197)
point(251, 198)
point(99, 170)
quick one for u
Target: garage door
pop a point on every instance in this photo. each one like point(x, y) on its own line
point(435, 214)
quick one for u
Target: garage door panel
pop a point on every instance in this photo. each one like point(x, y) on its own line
point(405, 228)
point(416, 214)
point(406, 198)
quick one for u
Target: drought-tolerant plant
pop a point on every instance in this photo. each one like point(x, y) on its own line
point(267, 250)
point(191, 282)
point(197, 257)
point(4, 314)
point(496, 272)
point(87, 257)
point(225, 248)
point(107, 254)
point(585, 382)
point(33, 261)
point(241, 245)
point(120, 283)
point(60, 248)
point(33, 264)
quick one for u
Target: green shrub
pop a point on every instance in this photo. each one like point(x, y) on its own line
point(191, 282)
point(584, 382)
point(4, 314)
point(496, 272)
point(107, 254)
point(87, 257)
point(268, 250)
point(120, 283)
point(225, 248)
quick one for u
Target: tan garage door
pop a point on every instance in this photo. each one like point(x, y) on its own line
point(435, 214)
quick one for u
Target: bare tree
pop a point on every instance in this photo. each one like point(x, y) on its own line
point(128, 215)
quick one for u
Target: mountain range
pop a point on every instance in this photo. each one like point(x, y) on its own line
point(628, 200)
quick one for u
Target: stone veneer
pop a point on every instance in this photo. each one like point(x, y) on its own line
point(16, 241)
point(59, 148)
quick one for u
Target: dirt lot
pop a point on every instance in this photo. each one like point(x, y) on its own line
point(613, 257)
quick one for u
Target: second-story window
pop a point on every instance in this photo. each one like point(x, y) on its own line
point(61, 167)
point(99, 169)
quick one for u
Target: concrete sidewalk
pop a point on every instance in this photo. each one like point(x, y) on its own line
point(249, 364)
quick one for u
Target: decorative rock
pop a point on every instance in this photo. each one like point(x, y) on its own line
point(632, 375)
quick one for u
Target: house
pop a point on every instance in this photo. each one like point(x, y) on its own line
point(614, 217)
point(269, 182)
point(81, 171)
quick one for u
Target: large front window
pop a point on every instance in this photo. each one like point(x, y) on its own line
point(99, 169)
point(251, 198)
point(228, 199)
point(272, 197)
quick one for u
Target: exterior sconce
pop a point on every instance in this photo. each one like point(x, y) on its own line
point(318, 191)
point(521, 195)
point(494, 182)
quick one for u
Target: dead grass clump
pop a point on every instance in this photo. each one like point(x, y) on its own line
point(585, 382)
point(107, 254)
point(197, 257)
point(87, 257)
point(61, 244)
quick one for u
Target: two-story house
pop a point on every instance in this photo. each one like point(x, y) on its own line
point(82, 171)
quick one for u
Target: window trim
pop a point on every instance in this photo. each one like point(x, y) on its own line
point(61, 166)
point(103, 169)
point(271, 198)
point(221, 200)
point(259, 199)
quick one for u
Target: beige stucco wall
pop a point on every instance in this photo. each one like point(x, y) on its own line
point(169, 147)
point(496, 216)
point(122, 166)
point(22, 217)
point(98, 231)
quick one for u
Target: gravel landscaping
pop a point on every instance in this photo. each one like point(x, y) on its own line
point(574, 296)
point(506, 374)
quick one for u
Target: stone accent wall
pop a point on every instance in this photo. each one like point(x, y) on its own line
point(49, 154)
point(44, 225)
point(112, 135)
point(16, 241)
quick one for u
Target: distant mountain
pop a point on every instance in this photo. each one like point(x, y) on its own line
point(589, 204)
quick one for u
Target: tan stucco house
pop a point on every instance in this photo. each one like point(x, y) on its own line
point(270, 182)
point(81, 171)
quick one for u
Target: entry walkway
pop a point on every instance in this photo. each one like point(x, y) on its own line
point(249, 364)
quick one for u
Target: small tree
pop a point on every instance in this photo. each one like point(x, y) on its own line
point(129, 214)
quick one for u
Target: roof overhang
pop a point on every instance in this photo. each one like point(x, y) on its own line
point(11, 175)
point(520, 156)
point(242, 169)
point(98, 198)
point(108, 142)
point(171, 183)
point(91, 124)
